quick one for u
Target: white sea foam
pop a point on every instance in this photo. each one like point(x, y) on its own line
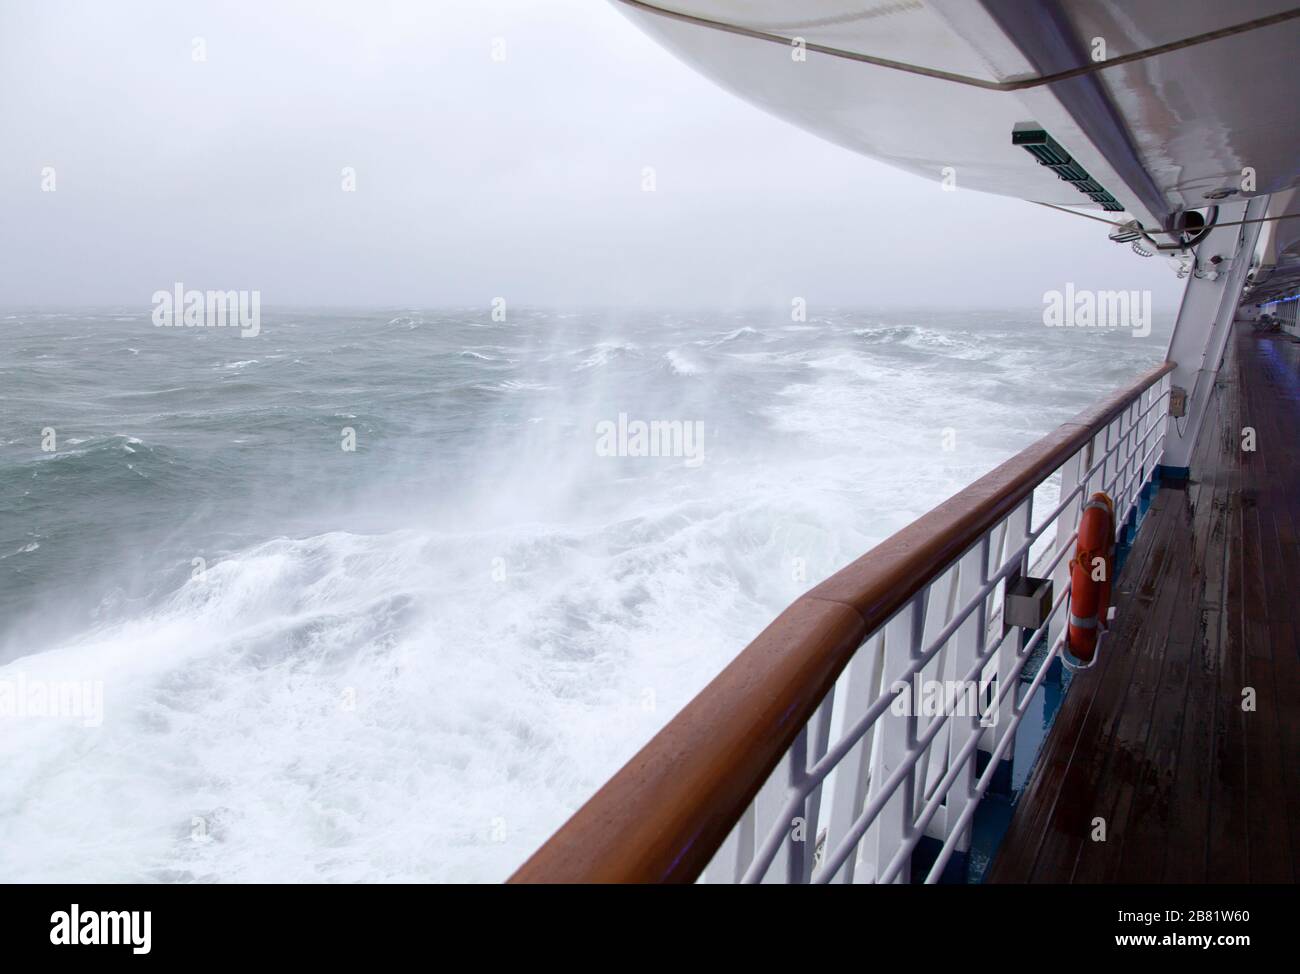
point(482, 707)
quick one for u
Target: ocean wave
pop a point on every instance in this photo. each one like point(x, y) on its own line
point(743, 333)
point(603, 353)
point(681, 363)
point(97, 457)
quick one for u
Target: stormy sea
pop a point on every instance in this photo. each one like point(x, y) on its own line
point(385, 595)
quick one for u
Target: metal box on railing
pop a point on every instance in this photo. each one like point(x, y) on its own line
point(1177, 402)
point(1027, 602)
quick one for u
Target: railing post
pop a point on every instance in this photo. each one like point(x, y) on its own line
point(1135, 448)
point(849, 794)
point(1134, 473)
point(1067, 522)
point(940, 606)
point(735, 854)
point(969, 644)
point(999, 669)
point(818, 734)
point(768, 804)
point(1157, 417)
point(897, 742)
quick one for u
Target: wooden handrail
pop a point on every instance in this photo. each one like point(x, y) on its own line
point(664, 814)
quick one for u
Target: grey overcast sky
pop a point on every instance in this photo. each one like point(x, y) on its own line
point(474, 177)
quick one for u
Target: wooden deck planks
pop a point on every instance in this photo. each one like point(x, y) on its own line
point(1155, 740)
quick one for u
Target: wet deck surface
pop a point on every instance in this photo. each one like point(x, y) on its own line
point(1154, 739)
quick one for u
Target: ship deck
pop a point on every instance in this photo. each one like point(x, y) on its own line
point(1154, 739)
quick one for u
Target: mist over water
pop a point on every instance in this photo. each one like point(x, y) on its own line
point(413, 661)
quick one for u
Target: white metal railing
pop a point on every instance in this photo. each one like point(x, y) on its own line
point(883, 776)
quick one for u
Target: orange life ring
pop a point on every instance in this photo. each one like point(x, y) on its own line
point(1094, 556)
